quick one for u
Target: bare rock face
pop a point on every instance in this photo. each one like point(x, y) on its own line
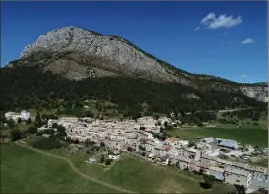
point(258, 92)
point(104, 52)
point(77, 54)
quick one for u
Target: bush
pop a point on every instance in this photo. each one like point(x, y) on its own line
point(209, 181)
point(49, 131)
point(16, 135)
point(44, 143)
point(32, 130)
point(143, 154)
point(141, 148)
point(10, 123)
point(54, 125)
point(19, 120)
point(60, 128)
point(61, 135)
point(28, 121)
point(102, 159)
point(169, 127)
point(108, 161)
point(39, 133)
point(191, 144)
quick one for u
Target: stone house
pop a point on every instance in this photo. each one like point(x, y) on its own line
point(192, 165)
point(203, 166)
point(172, 141)
point(207, 160)
point(150, 146)
point(183, 163)
point(51, 122)
point(218, 173)
point(258, 173)
point(236, 176)
point(164, 150)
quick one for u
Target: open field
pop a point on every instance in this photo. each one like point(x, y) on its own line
point(25, 171)
point(139, 175)
point(244, 135)
point(39, 171)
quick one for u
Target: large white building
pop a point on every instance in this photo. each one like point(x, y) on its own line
point(24, 116)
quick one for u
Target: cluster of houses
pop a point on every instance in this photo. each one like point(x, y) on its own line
point(138, 136)
point(23, 115)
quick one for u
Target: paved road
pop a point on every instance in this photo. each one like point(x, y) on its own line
point(74, 168)
point(225, 110)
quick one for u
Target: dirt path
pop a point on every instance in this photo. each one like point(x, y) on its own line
point(75, 169)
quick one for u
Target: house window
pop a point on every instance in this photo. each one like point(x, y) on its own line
point(237, 181)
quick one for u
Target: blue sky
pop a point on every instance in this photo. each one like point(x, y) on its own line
point(226, 39)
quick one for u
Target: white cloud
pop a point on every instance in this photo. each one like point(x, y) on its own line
point(211, 21)
point(244, 76)
point(247, 41)
point(197, 28)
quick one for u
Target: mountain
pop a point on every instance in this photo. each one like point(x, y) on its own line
point(76, 53)
point(80, 56)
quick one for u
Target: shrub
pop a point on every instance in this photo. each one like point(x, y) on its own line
point(60, 128)
point(209, 181)
point(29, 121)
point(44, 143)
point(10, 123)
point(108, 161)
point(32, 130)
point(16, 135)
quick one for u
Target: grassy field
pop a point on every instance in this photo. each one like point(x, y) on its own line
point(139, 175)
point(24, 171)
point(244, 135)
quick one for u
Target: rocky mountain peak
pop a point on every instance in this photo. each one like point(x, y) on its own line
point(108, 53)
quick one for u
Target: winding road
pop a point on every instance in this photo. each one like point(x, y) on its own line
point(74, 168)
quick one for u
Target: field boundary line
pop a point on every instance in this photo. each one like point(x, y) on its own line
point(74, 168)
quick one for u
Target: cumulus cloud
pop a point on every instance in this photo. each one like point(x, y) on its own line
point(211, 21)
point(247, 41)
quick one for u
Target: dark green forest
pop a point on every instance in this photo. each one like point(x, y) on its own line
point(29, 87)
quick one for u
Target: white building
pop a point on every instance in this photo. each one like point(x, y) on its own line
point(25, 115)
point(114, 157)
point(51, 122)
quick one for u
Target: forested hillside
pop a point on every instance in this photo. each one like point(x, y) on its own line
point(29, 87)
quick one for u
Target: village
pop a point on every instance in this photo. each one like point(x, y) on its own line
point(144, 138)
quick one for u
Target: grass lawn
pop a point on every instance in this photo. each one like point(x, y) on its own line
point(244, 135)
point(25, 171)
